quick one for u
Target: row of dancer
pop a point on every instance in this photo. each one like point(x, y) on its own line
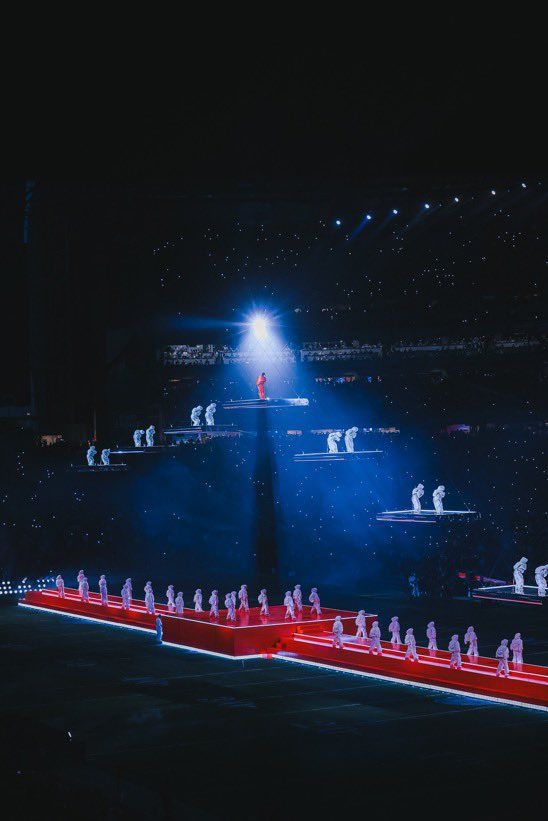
point(149, 435)
point(196, 413)
point(454, 648)
point(437, 498)
point(335, 437)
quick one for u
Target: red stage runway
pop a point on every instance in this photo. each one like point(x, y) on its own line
point(308, 641)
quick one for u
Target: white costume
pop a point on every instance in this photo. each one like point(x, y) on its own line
point(519, 569)
point(179, 603)
point(437, 497)
point(198, 601)
point(263, 601)
point(431, 636)
point(126, 597)
point(314, 600)
point(90, 455)
point(149, 598)
point(516, 646)
point(60, 585)
point(230, 609)
point(209, 413)
point(337, 633)
point(349, 437)
point(103, 590)
point(375, 638)
point(105, 456)
point(454, 648)
point(159, 629)
point(289, 605)
point(332, 440)
point(361, 624)
point(80, 578)
point(85, 589)
point(298, 598)
point(138, 437)
point(416, 495)
point(129, 589)
point(471, 640)
point(195, 416)
point(394, 629)
point(411, 652)
point(502, 655)
point(243, 598)
point(151, 431)
point(170, 595)
point(540, 578)
point(214, 604)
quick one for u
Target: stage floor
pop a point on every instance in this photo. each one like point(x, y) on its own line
point(308, 641)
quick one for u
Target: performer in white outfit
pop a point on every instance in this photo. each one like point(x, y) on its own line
point(375, 639)
point(149, 598)
point(337, 633)
point(126, 597)
point(60, 585)
point(332, 441)
point(540, 578)
point(214, 604)
point(103, 590)
point(230, 609)
point(298, 599)
point(454, 648)
point(150, 434)
point(431, 636)
point(209, 414)
point(179, 603)
point(361, 624)
point(516, 646)
point(502, 655)
point(263, 601)
point(170, 596)
point(198, 601)
point(80, 578)
point(195, 416)
point(129, 586)
point(85, 589)
point(519, 570)
point(105, 457)
point(416, 496)
point(411, 644)
point(437, 498)
point(349, 437)
point(394, 629)
point(471, 640)
point(314, 600)
point(138, 438)
point(289, 605)
point(91, 453)
point(243, 598)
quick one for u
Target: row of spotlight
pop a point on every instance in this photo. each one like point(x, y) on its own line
point(426, 205)
point(18, 589)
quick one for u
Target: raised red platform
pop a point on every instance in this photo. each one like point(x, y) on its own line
point(308, 641)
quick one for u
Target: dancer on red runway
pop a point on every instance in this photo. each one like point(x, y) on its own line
point(261, 382)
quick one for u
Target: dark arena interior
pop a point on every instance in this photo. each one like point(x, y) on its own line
point(385, 270)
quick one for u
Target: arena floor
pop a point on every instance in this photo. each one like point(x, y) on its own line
point(104, 723)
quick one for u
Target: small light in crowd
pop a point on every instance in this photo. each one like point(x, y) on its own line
point(493, 192)
point(523, 185)
point(395, 211)
point(456, 199)
point(338, 222)
point(368, 216)
point(427, 205)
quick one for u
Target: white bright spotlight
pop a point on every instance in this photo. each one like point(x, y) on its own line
point(259, 326)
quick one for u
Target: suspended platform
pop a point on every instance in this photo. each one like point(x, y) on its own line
point(505, 594)
point(202, 430)
point(262, 404)
point(119, 468)
point(135, 451)
point(429, 517)
point(342, 456)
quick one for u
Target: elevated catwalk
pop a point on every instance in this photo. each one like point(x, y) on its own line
point(504, 594)
point(342, 456)
point(141, 451)
point(308, 641)
point(262, 404)
point(116, 468)
point(429, 517)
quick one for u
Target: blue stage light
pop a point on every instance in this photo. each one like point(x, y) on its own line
point(338, 222)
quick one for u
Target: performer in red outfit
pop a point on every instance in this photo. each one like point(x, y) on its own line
point(261, 381)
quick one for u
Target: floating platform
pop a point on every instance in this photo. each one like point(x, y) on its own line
point(308, 641)
point(262, 404)
point(203, 430)
point(135, 451)
point(116, 468)
point(341, 456)
point(504, 594)
point(429, 517)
